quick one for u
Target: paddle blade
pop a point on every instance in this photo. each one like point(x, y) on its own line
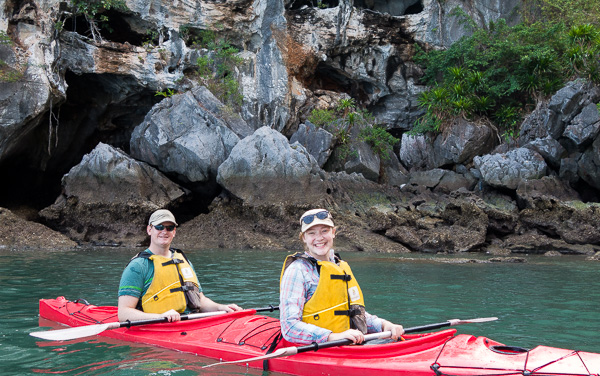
point(71, 333)
point(472, 321)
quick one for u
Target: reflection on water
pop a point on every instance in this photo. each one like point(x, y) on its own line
point(550, 301)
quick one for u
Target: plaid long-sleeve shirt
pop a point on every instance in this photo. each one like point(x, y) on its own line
point(298, 285)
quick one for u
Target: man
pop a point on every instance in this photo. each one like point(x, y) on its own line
point(160, 281)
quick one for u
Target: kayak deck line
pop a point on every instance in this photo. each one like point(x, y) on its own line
point(246, 335)
point(576, 368)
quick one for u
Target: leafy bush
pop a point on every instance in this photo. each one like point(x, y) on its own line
point(499, 72)
point(216, 67)
point(380, 140)
point(569, 12)
point(8, 73)
point(340, 121)
point(92, 11)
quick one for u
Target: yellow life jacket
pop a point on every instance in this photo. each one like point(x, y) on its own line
point(173, 277)
point(337, 303)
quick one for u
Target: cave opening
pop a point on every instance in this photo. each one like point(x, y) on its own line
point(97, 108)
point(116, 27)
point(319, 4)
point(392, 7)
point(329, 78)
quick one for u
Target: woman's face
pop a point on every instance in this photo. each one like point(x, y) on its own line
point(319, 241)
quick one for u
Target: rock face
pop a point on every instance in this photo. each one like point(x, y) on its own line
point(509, 169)
point(264, 165)
point(121, 112)
point(181, 137)
point(107, 198)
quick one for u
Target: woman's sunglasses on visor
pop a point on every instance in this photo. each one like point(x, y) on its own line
point(311, 217)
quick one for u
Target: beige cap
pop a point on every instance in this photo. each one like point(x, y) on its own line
point(311, 217)
point(161, 216)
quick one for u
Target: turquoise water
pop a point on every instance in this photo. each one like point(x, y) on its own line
point(549, 301)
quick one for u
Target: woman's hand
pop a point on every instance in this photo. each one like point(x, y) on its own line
point(397, 330)
point(229, 307)
point(356, 336)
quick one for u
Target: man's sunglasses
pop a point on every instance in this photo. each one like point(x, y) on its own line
point(162, 227)
point(311, 217)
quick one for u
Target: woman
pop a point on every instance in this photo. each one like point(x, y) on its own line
point(320, 299)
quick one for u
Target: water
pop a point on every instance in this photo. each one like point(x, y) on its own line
point(550, 301)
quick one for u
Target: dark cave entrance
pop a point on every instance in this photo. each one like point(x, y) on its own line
point(98, 108)
point(392, 7)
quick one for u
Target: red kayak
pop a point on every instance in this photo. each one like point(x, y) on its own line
point(244, 334)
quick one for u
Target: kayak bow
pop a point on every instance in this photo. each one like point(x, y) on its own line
point(91, 330)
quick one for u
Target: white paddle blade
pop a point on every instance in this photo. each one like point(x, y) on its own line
point(471, 321)
point(482, 319)
point(71, 333)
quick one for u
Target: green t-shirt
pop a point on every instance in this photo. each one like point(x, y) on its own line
point(137, 277)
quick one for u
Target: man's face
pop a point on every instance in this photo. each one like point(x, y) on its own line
point(160, 234)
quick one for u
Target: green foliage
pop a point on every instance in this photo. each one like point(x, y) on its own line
point(8, 73)
point(380, 140)
point(322, 5)
point(340, 121)
point(569, 12)
point(216, 67)
point(321, 117)
point(93, 11)
point(92, 8)
point(499, 72)
point(167, 93)
point(4, 38)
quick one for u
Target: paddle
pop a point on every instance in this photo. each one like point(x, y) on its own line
point(293, 350)
point(90, 330)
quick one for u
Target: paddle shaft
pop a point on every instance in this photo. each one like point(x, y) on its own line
point(190, 316)
point(293, 350)
point(370, 337)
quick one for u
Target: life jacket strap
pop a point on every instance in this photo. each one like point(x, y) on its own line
point(172, 261)
point(347, 312)
point(343, 277)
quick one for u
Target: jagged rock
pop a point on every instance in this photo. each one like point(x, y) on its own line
point(502, 213)
point(182, 137)
point(568, 170)
point(416, 151)
point(509, 169)
point(442, 181)
point(528, 191)
point(588, 166)
point(535, 243)
point(464, 141)
point(549, 148)
point(394, 174)
point(573, 222)
point(316, 140)
point(264, 168)
point(584, 128)
point(108, 197)
point(550, 118)
point(363, 161)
